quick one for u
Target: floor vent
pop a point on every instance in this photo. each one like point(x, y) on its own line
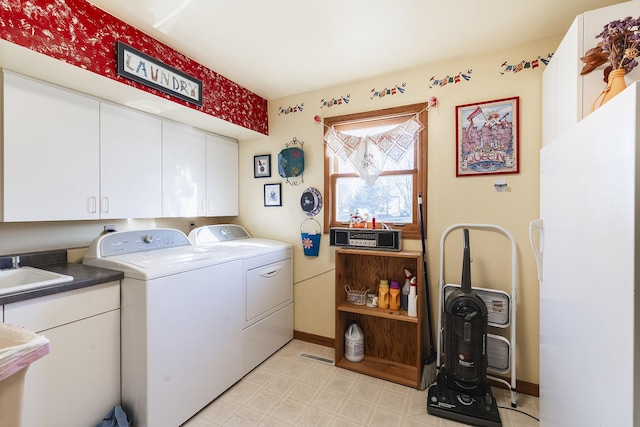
point(317, 358)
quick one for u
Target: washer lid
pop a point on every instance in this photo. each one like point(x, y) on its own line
point(234, 238)
point(217, 233)
point(149, 265)
point(152, 253)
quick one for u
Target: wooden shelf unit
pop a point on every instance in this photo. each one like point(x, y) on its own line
point(394, 343)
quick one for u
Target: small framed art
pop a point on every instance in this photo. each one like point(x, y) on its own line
point(487, 138)
point(262, 166)
point(272, 194)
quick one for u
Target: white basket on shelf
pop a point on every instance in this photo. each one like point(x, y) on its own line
point(356, 297)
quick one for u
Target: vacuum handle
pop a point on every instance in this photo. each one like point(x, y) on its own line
point(465, 282)
point(538, 225)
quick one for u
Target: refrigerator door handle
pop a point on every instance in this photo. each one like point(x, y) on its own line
point(538, 250)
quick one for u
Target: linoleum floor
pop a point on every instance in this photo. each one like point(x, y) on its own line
point(291, 390)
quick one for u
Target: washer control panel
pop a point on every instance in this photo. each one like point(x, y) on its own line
point(126, 242)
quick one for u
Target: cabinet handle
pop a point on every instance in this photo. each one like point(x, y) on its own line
point(538, 249)
point(270, 273)
point(105, 205)
point(92, 202)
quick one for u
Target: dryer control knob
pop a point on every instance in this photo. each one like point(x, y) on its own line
point(148, 238)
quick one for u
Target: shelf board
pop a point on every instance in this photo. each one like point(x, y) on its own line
point(380, 253)
point(384, 369)
point(376, 312)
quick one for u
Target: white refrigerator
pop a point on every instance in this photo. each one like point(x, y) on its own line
point(587, 244)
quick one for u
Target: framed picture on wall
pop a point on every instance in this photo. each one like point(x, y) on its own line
point(487, 138)
point(262, 166)
point(272, 194)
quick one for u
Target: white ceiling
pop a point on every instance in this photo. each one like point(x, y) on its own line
point(277, 48)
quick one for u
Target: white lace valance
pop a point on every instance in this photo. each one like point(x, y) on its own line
point(369, 153)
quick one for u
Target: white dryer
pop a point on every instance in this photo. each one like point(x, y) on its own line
point(267, 288)
point(181, 322)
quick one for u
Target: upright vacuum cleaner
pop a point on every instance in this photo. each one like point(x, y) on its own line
point(461, 392)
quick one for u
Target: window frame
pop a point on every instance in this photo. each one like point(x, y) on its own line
point(388, 115)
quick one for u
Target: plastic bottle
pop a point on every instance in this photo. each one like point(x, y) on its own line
point(394, 296)
point(354, 343)
point(383, 295)
point(412, 311)
point(404, 298)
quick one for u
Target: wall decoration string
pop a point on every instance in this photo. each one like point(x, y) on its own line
point(291, 162)
point(296, 108)
point(334, 101)
point(450, 79)
point(525, 64)
point(386, 91)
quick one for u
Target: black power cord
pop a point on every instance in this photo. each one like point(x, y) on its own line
point(518, 410)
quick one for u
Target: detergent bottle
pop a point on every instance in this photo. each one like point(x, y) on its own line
point(394, 296)
point(412, 310)
point(383, 295)
point(354, 343)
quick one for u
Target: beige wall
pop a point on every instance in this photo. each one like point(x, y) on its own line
point(450, 200)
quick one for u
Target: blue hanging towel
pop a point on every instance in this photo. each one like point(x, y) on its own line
point(115, 418)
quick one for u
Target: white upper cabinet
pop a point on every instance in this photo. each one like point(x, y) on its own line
point(222, 176)
point(567, 97)
point(51, 152)
point(560, 87)
point(183, 171)
point(67, 156)
point(131, 163)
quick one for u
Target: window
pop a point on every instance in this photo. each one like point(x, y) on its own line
point(393, 198)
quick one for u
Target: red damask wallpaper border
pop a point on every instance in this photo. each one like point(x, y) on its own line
point(77, 32)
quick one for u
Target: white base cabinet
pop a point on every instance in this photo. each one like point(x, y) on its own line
point(78, 382)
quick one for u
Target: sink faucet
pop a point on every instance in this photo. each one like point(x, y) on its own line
point(15, 262)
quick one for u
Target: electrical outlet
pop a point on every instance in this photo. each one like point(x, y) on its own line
point(192, 225)
point(109, 228)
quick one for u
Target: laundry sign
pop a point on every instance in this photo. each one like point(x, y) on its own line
point(142, 68)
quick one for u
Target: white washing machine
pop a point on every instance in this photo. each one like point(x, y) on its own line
point(181, 322)
point(267, 288)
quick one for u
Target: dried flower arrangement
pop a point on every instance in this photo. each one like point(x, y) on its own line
point(619, 45)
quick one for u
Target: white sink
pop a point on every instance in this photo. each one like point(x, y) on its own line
point(29, 278)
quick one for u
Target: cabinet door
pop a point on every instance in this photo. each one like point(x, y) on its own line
point(51, 152)
point(78, 382)
point(591, 266)
point(222, 176)
point(83, 367)
point(183, 171)
point(131, 163)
